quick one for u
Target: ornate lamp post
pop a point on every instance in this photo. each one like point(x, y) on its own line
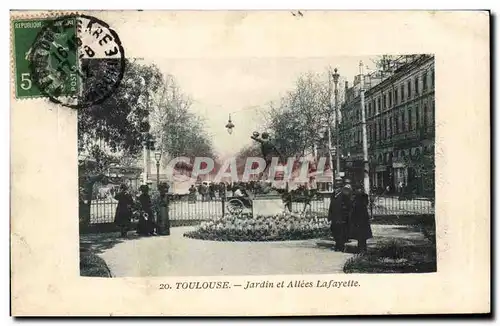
point(366, 178)
point(157, 158)
point(144, 128)
point(335, 77)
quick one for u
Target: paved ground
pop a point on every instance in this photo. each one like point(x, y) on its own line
point(176, 255)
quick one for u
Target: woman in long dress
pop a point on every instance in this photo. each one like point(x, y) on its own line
point(146, 225)
point(123, 213)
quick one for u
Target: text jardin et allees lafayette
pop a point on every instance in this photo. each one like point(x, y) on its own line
point(248, 285)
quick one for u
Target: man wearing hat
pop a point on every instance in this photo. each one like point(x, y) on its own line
point(338, 214)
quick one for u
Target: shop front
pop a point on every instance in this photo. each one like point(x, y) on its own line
point(400, 176)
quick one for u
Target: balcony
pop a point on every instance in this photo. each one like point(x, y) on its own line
point(409, 135)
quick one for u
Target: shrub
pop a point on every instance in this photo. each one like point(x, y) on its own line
point(394, 256)
point(93, 265)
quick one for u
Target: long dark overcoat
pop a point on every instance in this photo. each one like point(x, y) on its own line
point(340, 208)
point(359, 223)
point(123, 213)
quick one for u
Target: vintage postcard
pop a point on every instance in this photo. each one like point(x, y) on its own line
point(249, 163)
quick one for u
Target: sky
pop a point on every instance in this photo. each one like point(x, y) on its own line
point(244, 87)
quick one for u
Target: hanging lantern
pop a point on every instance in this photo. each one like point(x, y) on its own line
point(229, 125)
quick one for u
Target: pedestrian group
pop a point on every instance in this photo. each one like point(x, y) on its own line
point(349, 218)
point(141, 208)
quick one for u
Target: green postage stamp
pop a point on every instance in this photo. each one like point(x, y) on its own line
point(74, 60)
point(27, 33)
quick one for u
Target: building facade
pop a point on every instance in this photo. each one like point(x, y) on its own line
point(400, 115)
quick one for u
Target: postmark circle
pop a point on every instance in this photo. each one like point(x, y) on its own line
point(77, 61)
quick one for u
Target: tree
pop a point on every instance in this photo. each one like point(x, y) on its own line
point(178, 131)
point(301, 114)
point(116, 121)
point(112, 129)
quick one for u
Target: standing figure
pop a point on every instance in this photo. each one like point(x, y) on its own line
point(339, 214)
point(211, 191)
point(161, 210)
point(222, 190)
point(359, 224)
point(146, 225)
point(202, 191)
point(192, 194)
point(123, 213)
point(308, 196)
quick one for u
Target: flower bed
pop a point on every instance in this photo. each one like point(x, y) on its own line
point(244, 227)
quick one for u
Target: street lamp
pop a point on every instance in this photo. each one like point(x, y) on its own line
point(157, 158)
point(335, 77)
point(145, 128)
point(230, 125)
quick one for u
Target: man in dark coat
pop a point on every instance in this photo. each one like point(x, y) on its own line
point(359, 224)
point(339, 214)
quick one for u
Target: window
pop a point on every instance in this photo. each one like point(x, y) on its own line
point(390, 99)
point(433, 111)
point(378, 105)
point(403, 122)
point(410, 124)
point(416, 86)
point(369, 109)
point(396, 123)
point(379, 125)
point(390, 127)
point(424, 81)
point(425, 115)
point(384, 130)
point(383, 101)
point(417, 116)
point(409, 89)
point(402, 93)
point(396, 99)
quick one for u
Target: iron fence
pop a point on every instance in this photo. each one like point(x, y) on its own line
point(183, 209)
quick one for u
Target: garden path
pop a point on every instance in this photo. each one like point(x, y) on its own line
point(176, 255)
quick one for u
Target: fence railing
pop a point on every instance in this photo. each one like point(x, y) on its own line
point(181, 208)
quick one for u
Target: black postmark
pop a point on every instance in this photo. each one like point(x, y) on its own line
point(77, 60)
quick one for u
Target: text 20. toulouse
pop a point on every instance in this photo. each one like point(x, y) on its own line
point(217, 285)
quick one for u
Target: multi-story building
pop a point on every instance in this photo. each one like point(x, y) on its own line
point(399, 108)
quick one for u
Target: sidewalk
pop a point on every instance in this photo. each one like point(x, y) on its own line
point(176, 255)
